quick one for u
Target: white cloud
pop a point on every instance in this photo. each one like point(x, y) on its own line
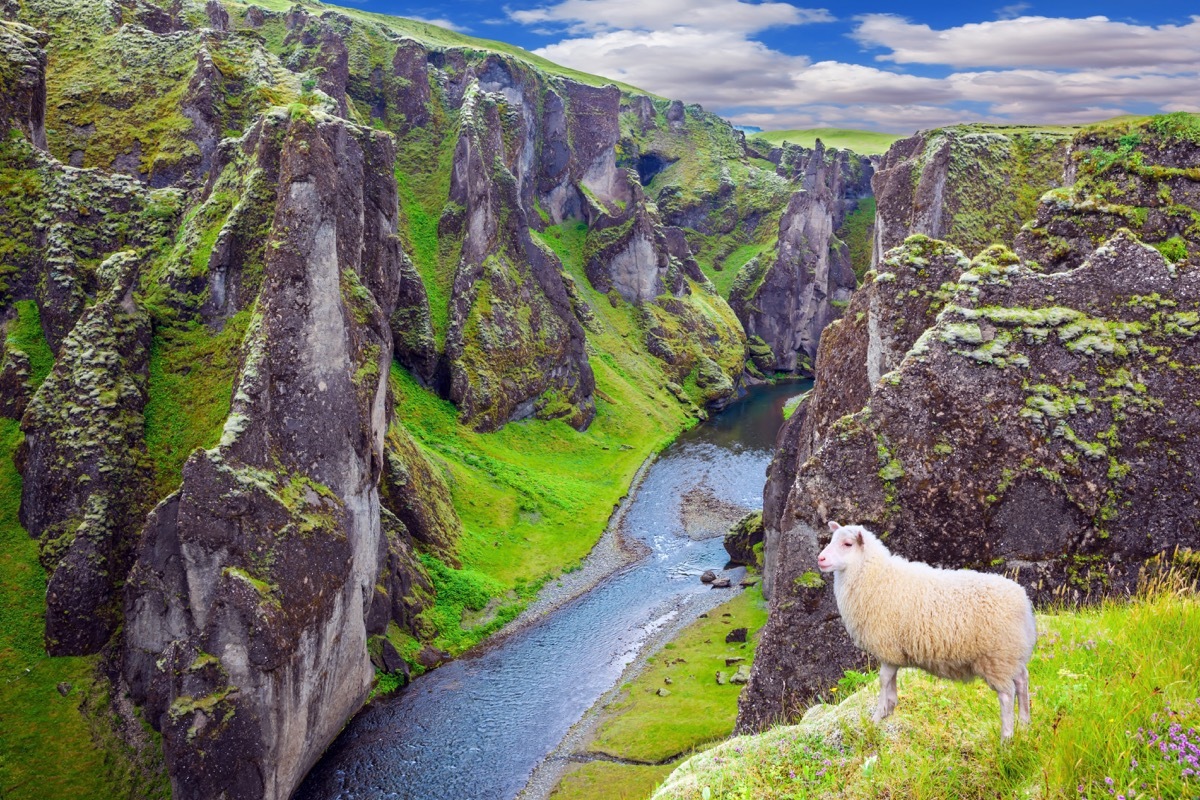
point(1012, 11)
point(583, 16)
point(1093, 42)
point(711, 57)
point(441, 22)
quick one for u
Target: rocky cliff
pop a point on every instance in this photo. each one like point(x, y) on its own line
point(969, 185)
point(787, 296)
point(1001, 413)
point(234, 260)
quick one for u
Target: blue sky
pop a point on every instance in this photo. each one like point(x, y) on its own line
point(895, 66)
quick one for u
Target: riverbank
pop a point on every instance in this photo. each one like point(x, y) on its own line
point(613, 552)
point(633, 736)
point(479, 725)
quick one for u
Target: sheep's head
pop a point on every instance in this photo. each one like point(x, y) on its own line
point(845, 547)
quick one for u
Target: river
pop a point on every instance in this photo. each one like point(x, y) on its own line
point(476, 727)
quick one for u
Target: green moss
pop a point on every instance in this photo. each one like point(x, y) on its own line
point(642, 726)
point(1173, 249)
point(858, 232)
point(192, 371)
point(25, 334)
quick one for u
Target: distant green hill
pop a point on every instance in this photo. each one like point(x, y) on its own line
point(865, 142)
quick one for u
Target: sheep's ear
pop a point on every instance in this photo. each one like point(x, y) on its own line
point(858, 539)
point(833, 526)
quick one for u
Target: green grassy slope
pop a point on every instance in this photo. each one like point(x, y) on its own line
point(1116, 704)
point(442, 37)
point(535, 496)
point(867, 143)
point(642, 726)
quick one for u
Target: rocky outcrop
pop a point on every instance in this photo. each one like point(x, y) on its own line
point(1139, 176)
point(23, 81)
point(84, 464)
point(971, 185)
point(514, 345)
point(788, 297)
point(250, 603)
point(1004, 418)
point(743, 541)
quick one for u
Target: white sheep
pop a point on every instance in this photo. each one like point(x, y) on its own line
point(956, 624)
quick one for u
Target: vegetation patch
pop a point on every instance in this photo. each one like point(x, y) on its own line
point(82, 757)
point(191, 389)
point(1115, 713)
point(645, 727)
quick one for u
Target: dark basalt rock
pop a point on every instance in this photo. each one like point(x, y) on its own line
point(786, 298)
point(971, 186)
point(23, 81)
point(1033, 428)
point(742, 539)
point(251, 600)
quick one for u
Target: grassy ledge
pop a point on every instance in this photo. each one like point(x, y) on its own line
point(867, 143)
point(70, 763)
point(1116, 708)
point(647, 733)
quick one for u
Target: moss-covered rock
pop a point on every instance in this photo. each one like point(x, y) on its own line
point(969, 185)
point(1140, 175)
point(1037, 426)
point(84, 465)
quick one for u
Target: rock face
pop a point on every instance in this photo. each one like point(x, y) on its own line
point(250, 600)
point(971, 185)
point(1004, 418)
point(219, 256)
point(23, 81)
point(786, 299)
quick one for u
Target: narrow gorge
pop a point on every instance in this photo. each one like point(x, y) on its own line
point(334, 341)
point(279, 284)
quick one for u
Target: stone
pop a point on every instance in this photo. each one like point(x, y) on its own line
point(721, 583)
point(742, 538)
point(663, 692)
point(392, 661)
point(736, 635)
point(742, 675)
point(729, 662)
point(722, 678)
point(64, 688)
point(708, 577)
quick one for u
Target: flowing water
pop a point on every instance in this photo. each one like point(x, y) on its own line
point(476, 727)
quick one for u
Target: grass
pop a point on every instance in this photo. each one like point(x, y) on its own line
point(46, 743)
point(25, 334)
point(191, 388)
point(858, 234)
point(867, 143)
point(1109, 684)
point(641, 726)
point(605, 780)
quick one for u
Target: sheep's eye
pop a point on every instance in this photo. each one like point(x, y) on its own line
point(847, 544)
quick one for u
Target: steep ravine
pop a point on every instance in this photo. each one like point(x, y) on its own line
point(287, 290)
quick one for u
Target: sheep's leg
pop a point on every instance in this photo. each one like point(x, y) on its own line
point(1005, 695)
point(1022, 682)
point(887, 692)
